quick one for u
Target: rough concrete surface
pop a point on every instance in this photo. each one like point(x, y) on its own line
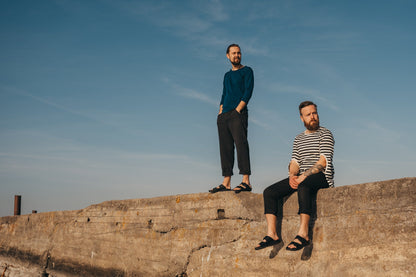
point(359, 230)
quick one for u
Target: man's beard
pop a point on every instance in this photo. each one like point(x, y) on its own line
point(312, 125)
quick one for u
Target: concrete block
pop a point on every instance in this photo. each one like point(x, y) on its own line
point(359, 230)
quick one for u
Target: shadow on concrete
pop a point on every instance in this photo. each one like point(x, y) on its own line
point(278, 247)
point(307, 250)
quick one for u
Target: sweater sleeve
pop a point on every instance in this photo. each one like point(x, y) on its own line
point(248, 85)
point(223, 91)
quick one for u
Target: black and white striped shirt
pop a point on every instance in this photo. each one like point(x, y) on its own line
point(307, 149)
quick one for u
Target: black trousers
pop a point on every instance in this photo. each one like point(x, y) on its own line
point(306, 191)
point(232, 130)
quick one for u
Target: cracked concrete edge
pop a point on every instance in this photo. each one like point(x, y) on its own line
point(73, 267)
point(195, 250)
point(402, 185)
point(10, 267)
point(26, 264)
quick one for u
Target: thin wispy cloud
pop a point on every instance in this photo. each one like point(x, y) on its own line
point(50, 103)
point(50, 151)
point(383, 133)
point(260, 123)
point(263, 116)
point(310, 93)
point(179, 19)
point(199, 22)
point(214, 9)
point(102, 117)
point(191, 93)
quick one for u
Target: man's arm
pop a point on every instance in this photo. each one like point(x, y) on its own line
point(293, 168)
point(240, 106)
point(220, 112)
point(293, 174)
point(318, 167)
point(248, 84)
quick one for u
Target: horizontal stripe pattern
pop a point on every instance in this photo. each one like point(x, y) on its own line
point(307, 149)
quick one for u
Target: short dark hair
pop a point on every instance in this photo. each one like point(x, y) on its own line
point(232, 45)
point(305, 104)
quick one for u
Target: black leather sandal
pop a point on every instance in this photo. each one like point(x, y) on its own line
point(298, 246)
point(242, 187)
point(219, 188)
point(268, 241)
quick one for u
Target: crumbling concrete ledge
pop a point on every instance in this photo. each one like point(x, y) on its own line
point(359, 230)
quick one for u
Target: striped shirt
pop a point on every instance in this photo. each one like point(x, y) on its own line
point(307, 149)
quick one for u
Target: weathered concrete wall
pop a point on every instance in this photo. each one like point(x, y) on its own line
point(360, 230)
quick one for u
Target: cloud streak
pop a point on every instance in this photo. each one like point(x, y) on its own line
point(311, 93)
point(197, 22)
point(52, 104)
point(192, 94)
point(104, 118)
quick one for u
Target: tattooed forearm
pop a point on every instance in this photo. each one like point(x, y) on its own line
point(313, 170)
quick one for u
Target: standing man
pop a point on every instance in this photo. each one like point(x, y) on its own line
point(310, 169)
point(233, 119)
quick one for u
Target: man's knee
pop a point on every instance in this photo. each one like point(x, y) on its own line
point(266, 192)
point(269, 194)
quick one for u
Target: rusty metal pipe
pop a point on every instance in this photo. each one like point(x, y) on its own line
point(17, 204)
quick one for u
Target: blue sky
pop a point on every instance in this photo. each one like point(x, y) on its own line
point(107, 100)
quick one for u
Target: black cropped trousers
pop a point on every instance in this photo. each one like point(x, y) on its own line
point(306, 191)
point(232, 130)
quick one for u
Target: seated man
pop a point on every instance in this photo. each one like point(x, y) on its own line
point(310, 169)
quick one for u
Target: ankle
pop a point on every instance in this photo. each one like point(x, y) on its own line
point(303, 235)
point(227, 185)
point(273, 236)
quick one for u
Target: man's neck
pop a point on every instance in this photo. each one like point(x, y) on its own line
point(237, 67)
point(307, 131)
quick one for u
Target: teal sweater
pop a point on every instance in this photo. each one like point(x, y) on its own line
point(238, 86)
